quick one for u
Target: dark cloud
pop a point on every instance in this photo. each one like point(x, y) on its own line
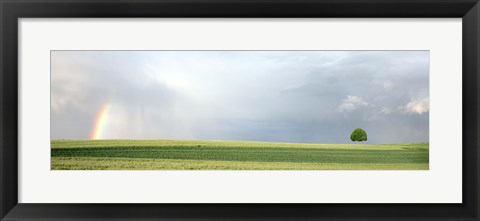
point(289, 96)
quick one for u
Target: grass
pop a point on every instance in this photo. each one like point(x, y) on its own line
point(233, 155)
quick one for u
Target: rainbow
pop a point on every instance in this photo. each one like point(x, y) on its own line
point(100, 121)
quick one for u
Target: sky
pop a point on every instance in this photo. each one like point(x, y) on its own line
point(280, 96)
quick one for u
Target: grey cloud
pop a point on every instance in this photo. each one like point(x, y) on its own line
point(288, 96)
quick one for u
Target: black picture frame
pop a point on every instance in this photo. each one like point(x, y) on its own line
point(12, 10)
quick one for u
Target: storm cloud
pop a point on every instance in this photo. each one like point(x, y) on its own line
point(285, 96)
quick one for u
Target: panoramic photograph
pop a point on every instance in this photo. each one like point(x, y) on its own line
point(239, 110)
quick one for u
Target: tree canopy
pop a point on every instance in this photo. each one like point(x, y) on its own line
point(358, 135)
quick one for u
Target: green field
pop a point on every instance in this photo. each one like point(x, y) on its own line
point(233, 155)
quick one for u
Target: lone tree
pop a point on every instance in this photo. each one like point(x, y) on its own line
point(358, 135)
